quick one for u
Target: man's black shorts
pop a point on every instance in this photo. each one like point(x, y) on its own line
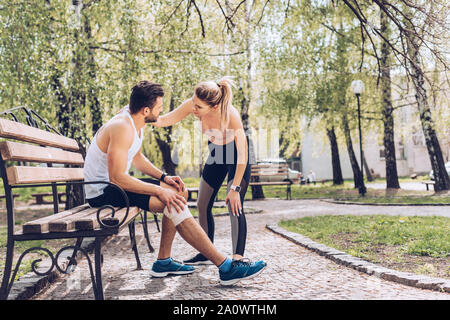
point(112, 196)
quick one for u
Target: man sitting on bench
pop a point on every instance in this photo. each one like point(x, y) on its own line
point(114, 148)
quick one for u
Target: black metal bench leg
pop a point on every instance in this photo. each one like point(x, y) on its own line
point(98, 269)
point(132, 229)
point(144, 225)
point(75, 252)
point(7, 271)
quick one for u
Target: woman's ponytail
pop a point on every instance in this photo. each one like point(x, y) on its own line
point(226, 100)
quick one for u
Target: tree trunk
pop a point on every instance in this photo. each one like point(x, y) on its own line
point(168, 165)
point(441, 178)
point(163, 139)
point(335, 160)
point(257, 191)
point(351, 153)
point(388, 118)
point(71, 114)
point(96, 112)
point(366, 168)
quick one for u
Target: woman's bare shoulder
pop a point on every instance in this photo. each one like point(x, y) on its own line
point(235, 118)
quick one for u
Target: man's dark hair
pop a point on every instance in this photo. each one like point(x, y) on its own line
point(144, 94)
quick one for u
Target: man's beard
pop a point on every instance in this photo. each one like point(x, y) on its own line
point(150, 119)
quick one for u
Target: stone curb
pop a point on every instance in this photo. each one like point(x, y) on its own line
point(409, 279)
point(385, 204)
point(30, 284)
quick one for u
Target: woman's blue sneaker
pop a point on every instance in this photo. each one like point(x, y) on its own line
point(241, 269)
point(160, 269)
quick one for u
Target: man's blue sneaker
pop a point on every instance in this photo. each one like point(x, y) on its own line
point(241, 269)
point(160, 269)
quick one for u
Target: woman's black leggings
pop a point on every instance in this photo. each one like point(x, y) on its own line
point(222, 160)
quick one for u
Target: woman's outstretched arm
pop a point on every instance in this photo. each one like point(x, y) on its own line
point(176, 115)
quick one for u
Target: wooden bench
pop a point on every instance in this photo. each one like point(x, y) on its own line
point(278, 171)
point(39, 197)
point(427, 183)
point(279, 174)
point(33, 145)
point(190, 192)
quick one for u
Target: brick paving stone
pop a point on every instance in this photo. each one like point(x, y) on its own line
point(293, 272)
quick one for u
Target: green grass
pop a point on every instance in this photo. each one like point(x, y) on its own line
point(422, 236)
point(345, 192)
point(401, 200)
point(403, 179)
point(319, 190)
point(403, 242)
point(194, 211)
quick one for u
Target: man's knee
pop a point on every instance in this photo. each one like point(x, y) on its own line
point(178, 217)
point(184, 193)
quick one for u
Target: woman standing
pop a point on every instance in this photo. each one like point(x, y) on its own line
point(228, 146)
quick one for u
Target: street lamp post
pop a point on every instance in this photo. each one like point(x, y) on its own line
point(357, 87)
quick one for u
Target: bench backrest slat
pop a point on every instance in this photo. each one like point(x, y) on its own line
point(270, 169)
point(19, 131)
point(14, 151)
point(277, 170)
point(24, 174)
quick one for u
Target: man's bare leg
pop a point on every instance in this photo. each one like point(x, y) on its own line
point(168, 232)
point(189, 230)
point(193, 233)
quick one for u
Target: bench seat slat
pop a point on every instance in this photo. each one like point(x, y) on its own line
point(41, 225)
point(24, 174)
point(81, 218)
point(67, 223)
point(19, 131)
point(91, 222)
point(15, 151)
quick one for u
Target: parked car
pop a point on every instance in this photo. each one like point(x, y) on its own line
point(293, 175)
point(447, 167)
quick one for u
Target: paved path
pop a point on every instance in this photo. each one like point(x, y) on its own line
point(293, 272)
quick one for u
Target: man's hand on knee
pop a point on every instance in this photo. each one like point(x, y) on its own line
point(172, 199)
point(176, 182)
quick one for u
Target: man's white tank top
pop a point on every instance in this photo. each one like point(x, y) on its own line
point(96, 162)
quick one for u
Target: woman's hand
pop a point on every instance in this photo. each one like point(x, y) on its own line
point(234, 199)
